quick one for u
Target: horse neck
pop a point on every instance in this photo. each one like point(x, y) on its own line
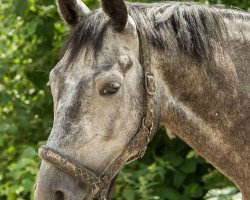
point(208, 109)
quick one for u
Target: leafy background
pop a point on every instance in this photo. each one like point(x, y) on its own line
point(31, 35)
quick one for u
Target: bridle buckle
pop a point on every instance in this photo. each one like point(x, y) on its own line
point(150, 83)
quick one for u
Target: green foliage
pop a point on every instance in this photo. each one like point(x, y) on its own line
point(31, 35)
point(170, 170)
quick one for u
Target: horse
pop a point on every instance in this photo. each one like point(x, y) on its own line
point(128, 67)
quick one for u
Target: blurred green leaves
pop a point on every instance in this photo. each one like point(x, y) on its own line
point(20, 7)
point(170, 170)
point(20, 175)
point(31, 35)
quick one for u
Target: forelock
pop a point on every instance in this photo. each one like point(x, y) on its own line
point(88, 33)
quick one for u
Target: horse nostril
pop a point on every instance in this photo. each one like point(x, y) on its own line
point(59, 195)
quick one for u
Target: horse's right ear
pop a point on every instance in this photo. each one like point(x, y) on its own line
point(72, 11)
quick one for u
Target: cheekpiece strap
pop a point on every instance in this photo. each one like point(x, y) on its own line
point(150, 83)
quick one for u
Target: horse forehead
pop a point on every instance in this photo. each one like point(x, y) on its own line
point(121, 42)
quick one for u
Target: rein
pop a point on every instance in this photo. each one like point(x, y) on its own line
point(138, 143)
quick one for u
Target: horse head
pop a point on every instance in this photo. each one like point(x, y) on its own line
point(103, 99)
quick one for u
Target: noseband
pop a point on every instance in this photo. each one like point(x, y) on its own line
point(138, 143)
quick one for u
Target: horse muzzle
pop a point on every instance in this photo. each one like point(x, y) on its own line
point(54, 184)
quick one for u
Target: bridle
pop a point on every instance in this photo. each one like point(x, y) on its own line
point(138, 143)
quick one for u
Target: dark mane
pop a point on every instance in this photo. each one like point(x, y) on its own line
point(190, 27)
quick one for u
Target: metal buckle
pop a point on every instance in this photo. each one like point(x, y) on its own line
point(150, 83)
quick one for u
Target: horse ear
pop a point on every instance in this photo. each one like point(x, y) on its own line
point(72, 11)
point(117, 12)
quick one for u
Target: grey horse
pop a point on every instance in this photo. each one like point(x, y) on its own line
point(126, 68)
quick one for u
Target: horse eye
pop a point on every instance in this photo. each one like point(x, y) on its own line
point(110, 88)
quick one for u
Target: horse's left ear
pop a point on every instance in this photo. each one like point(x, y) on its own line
point(117, 12)
point(72, 11)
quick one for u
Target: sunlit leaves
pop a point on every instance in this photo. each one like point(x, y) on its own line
point(25, 113)
point(228, 193)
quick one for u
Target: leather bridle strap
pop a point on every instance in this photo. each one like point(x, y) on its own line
point(135, 147)
point(81, 173)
